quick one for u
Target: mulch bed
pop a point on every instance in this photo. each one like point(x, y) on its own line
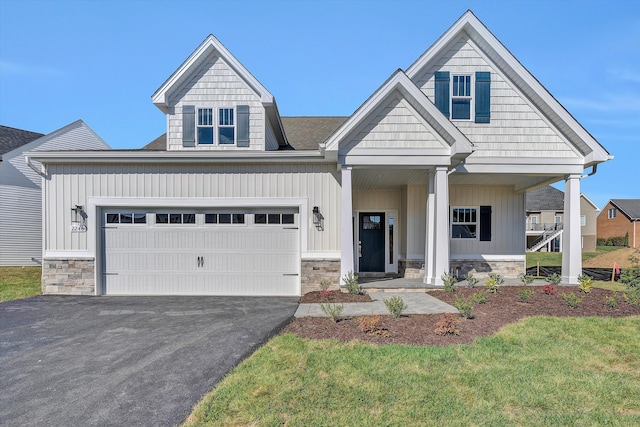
point(500, 309)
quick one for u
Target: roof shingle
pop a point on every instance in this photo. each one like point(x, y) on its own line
point(544, 199)
point(630, 207)
point(12, 138)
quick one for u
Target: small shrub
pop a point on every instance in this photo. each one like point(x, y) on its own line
point(525, 279)
point(554, 279)
point(612, 301)
point(571, 300)
point(479, 297)
point(449, 282)
point(465, 307)
point(448, 325)
point(493, 282)
point(524, 294)
point(630, 276)
point(351, 284)
point(372, 325)
point(332, 310)
point(395, 305)
point(632, 297)
point(325, 284)
point(585, 283)
point(549, 290)
point(471, 281)
point(326, 293)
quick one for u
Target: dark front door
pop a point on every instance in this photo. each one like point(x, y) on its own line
point(372, 242)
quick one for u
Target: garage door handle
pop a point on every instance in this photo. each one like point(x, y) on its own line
point(200, 261)
point(290, 274)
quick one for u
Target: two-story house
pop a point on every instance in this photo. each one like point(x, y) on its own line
point(429, 174)
point(545, 219)
point(620, 221)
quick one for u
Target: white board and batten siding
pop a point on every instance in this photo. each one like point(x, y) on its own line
point(21, 195)
point(216, 85)
point(516, 129)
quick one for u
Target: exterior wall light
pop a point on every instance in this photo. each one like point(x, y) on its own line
point(318, 219)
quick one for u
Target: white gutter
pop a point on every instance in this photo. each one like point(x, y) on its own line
point(39, 170)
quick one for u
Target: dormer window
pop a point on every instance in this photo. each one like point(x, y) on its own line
point(205, 125)
point(226, 128)
point(461, 98)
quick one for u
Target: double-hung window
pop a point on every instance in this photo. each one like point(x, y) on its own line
point(464, 223)
point(461, 97)
point(612, 213)
point(205, 125)
point(226, 127)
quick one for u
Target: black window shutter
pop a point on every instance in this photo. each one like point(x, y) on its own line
point(242, 112)
point(188, 126)
point(483, 97)
point(442, 91)
point(485, 223)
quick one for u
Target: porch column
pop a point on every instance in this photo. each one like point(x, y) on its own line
point(571, 250)
point(346, 240)
point(437, 243)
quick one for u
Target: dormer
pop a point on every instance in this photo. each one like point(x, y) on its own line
point(212, 103)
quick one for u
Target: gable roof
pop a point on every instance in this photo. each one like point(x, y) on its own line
point(158, 144)
point(629, 207)
point(211, 44)
point(12, 138)
point(544, 199)
point(515, 72)
point(399, 81)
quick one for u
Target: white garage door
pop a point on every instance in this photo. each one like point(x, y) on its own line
point(232, 252)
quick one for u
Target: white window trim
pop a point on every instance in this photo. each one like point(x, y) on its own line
point(471, 97)
point(212, 126)
point(611, 213)
point(216, 126)
point(234, 126)
point(583, 220)
point(476, 223)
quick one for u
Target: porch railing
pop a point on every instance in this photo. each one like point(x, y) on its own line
point(544, 226)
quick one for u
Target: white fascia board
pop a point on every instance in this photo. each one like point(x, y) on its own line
point(211, 43)
point(413, 161)
point(399, 81)
point(144, 156)
point(528, 169)
point(475, 29)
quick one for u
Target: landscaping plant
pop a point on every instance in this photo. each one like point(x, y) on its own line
point(351, 284)
point(554, 279)
point(549, 290)
point(448, 325)
point(524, 294)
point(612, 301)
point(571, 300)
point(324, 286)
point(449, 282)
point(372, 325)
point(630, 278)
point(479, 297)
point(494, 282)
point(465, 307)
point(332, 310)
point(585, 283)
point(525, 279)
point(395, 305)
point(471, 281)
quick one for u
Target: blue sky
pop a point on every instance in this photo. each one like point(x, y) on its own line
point(101, 60)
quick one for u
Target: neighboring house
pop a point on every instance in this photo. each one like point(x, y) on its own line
point(428, 175)
point(619, 217)
point(545, 218)
point(20, 188)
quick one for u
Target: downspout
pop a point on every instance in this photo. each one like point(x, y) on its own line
point(594, 169)
point(40, 171)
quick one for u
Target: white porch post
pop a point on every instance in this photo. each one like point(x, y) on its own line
point(437, 244)
point(571, 251)
point(346, 241)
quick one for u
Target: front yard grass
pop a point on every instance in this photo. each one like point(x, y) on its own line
point(19, 282)
point(537, 372)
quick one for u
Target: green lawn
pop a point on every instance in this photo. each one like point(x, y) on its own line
point(554, 259)
point(19, 282)
point(540, 371)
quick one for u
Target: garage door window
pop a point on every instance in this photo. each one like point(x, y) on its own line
point(224, 218)
point(175, 218)
point(274, 218)
point(126, 218)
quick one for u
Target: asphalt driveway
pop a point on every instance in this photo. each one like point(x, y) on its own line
point(124, 360)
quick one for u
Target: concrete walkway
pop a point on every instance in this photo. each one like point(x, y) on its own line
point(417, 302)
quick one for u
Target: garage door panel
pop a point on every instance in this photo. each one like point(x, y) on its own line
point(205, 259)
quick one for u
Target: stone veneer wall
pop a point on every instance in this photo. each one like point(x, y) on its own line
point(63, 276)
point(482, 268)
point(411, 269)
point(314, 270)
